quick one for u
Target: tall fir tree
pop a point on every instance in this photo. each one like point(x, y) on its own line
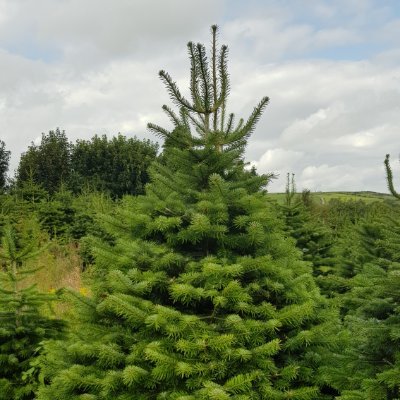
point(24, 326)
point(200, 296)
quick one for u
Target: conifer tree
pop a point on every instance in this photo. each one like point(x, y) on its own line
point(23, 325)
point(57, 214)
point(200, 296)
point(368, 367)
point(312, 237)
point(352, 231)
point(356, 243)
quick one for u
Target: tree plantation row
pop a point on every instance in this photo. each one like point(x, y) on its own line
point(190, 282)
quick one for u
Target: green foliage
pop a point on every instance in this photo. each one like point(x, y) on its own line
point(199, 295)
point(371, 357)
point(117, 166)
point(89, 207)
point(323, 198)
point(29, 193)
point(24, 325)
point(312, 237)
point(341, 214)
point(57, 215)
point(47, 164)
point(357, 230)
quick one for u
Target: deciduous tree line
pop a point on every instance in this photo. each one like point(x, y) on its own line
point(117, 165)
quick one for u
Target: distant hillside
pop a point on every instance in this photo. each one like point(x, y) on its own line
point(325, 197)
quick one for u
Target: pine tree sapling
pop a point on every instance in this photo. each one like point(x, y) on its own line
point(200, 296)
point(23, 325)
point(312, 237)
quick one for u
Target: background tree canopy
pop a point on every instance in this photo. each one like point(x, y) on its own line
point(47, 164)
point(117, 166)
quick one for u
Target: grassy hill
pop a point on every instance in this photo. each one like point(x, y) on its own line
point(325, 197)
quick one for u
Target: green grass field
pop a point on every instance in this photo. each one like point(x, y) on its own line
point(325, 197)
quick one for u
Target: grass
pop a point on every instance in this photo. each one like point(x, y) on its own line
point(60, 267)
point(325, 197)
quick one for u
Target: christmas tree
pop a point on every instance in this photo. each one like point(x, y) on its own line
point(199, 295)
point(312, 237)
point(24, 325)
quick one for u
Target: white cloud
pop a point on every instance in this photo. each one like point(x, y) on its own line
point(272, 38)
point(277, 160)
point(339, 114)
point(335, 121)
point(97, 30)
point(347, 177)
point(333, 37)
point(366, 139)
point(325, 177)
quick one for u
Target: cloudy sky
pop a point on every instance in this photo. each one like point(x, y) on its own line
point(330, 68)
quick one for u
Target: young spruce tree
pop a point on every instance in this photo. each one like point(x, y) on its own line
point(312, 237)
point(200, 296)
